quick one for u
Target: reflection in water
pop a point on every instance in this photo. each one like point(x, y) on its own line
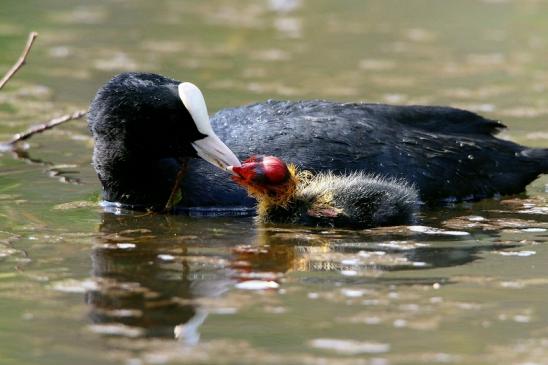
point(158, 275)
point(366, 253)
point(148, 280)
point(52, 170)
point(339, 290)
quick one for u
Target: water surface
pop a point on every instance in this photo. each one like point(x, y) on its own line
point(79, 285)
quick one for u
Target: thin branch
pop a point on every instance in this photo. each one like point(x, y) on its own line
point(21, 61)
point(12, 144)
point(175, 191)
point(39, 128)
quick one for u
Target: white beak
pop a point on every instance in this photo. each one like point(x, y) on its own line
point(210, 148)
point(214, 151)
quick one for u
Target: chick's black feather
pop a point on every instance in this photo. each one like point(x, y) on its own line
point(354, 200)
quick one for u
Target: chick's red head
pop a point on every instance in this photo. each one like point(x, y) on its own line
point(265, 176)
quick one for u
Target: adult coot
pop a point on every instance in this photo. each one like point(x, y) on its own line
point(356, 200)
point(143, 126)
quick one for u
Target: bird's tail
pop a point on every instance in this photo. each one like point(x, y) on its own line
point(540, 155)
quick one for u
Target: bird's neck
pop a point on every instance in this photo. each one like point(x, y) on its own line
point(282, 196)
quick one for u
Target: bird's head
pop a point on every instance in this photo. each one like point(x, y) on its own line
point(268, 179)
point(144, 126)
point(151, 117)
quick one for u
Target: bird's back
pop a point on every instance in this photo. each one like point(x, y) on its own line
point(446, 153)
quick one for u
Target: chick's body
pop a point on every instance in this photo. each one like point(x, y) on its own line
point(356, 200)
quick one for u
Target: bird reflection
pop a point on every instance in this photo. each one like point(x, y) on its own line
point(381, 250)
point(159, 274)
point(146, 279)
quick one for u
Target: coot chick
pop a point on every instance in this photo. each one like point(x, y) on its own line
point(356, 200)
point(143, 128)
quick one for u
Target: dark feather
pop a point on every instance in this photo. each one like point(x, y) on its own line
point(141, 129)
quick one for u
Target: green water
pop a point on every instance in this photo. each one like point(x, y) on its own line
point(82, 286)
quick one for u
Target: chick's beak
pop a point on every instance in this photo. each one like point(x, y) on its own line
point(236, 170)
point(245, 171)
point(214, 151)
point(241, 174)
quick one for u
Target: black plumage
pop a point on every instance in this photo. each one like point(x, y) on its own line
point(141, 130)
point(446, 153)
point(354, 200)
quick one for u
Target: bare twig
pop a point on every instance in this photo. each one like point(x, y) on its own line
point(172, 201)
point(39, 128)
point(21, 61)
point(12, 145)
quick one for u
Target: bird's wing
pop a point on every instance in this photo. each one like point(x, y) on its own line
point(433, 119)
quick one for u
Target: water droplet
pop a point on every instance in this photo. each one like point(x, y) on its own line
point(349, 272)
point(116, 330)
point(430, 230)
point(517, 253)
point(534, 230)
point(399, 323)
point(125, 246)
point(257, 285)
point(352, 293)
point(522, 318)
point(349, 347)
point(75, 286)
point(350, 262)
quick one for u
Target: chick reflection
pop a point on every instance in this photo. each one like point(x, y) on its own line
point(145, 279)
point(278, 250)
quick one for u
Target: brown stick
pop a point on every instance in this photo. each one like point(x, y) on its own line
point(171, 201)
point(39, 128)
point(21, 61)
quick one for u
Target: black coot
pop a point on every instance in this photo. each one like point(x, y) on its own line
point(145, 126)
point(142, 129)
